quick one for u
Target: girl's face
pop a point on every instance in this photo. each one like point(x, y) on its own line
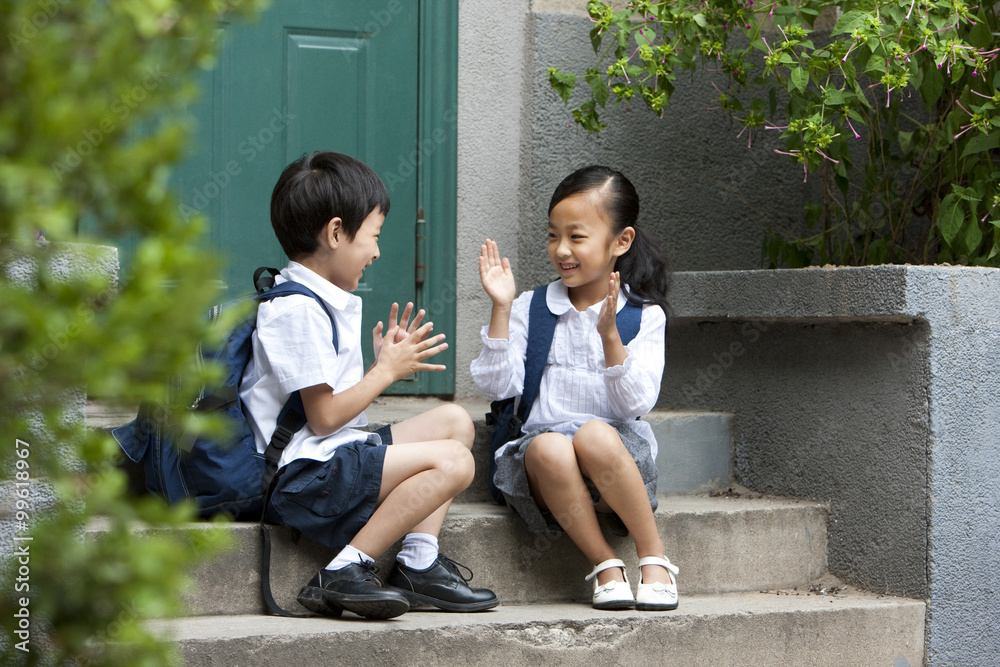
point(582, 247)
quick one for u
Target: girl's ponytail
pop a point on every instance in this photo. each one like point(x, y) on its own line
point(644, 267)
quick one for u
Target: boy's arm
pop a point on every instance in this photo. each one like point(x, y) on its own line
point(327, 412)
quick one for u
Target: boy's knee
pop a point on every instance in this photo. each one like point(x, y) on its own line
point(459, 463)
point(460, 423)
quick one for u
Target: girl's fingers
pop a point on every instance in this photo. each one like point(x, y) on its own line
point(405, 318)
point(416, 321)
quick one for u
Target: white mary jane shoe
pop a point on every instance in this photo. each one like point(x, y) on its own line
point(614, 594)
point(657, 596)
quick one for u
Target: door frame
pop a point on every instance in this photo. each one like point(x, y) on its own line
point(437, 180)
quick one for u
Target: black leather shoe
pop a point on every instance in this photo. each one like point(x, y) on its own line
point(356, 588)
point(442, 586)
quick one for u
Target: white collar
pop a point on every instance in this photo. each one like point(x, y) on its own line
point(323, 288)
point(557, 299)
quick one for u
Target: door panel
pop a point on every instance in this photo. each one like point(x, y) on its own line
point(308, 75)
point(376, 82)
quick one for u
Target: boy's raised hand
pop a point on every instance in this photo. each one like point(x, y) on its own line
point(497, 277)
point(402, 328)
point(403, 348)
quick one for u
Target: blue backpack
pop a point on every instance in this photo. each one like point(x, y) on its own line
point(508, 415)
point(228, 477)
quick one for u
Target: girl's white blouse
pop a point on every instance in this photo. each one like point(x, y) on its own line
point(576, 386)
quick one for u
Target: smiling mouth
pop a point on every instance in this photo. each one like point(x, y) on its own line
point(568, 267)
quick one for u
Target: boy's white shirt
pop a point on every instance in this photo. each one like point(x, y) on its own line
point(293, 349)
point(576, 386)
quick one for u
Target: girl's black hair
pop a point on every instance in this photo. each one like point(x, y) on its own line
point(644, 267)
point(317, 188)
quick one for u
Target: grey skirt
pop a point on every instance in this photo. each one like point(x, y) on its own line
point(512, 478)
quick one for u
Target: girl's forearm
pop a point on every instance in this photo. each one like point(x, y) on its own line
point(500, 322)
point(614, 352)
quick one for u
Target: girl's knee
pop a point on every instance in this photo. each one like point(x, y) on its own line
point(598, 442)
point(550, 452)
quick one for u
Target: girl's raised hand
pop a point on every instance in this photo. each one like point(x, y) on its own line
point(606, 321)
point(497, 277)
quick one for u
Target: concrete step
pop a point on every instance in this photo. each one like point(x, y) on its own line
point(694, 457)
point(722, 545)
point(798, 629)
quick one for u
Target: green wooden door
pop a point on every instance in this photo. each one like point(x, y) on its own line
point(343, 76)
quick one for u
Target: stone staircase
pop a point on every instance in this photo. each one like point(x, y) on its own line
point(754, 583)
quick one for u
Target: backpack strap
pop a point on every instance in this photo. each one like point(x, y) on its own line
point(292, 416)
point(290, 420)
point(541, 328)
point(629, 320)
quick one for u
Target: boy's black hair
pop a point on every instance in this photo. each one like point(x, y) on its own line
point(644, 267)
point(317, 188)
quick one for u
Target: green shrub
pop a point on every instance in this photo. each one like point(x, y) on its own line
point(90, 95)
point(925, 186)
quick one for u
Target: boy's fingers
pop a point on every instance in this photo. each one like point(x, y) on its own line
point(431, 351)
point(432, 367)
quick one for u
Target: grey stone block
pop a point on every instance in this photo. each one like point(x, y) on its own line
point(749, 629)
point(722, 545)
point(695, 451)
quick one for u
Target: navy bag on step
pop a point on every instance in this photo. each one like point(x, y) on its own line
point(508, 415)
point(228, 477)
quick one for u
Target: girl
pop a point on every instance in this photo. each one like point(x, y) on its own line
point(583, 449)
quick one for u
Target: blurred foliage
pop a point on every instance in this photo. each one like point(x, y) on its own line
point(902, 182)
point(91, 101)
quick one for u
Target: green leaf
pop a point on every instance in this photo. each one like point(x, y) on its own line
point(800, 78)
point(849, 22)
point(595, 39)
point(906, 142)
point(875, 64)
point(700, 20)
point(957, 70)
point(833, 96)
point(598, 86)
point(968, 194)
point(931, 86)
point(562, 82)
point(949, 220)
point(973, 236)
point(982, 142)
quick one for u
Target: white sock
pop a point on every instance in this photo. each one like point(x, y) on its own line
point(419, 551)
point(347, 556)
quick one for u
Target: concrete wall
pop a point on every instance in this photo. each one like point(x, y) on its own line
point(704, 195)
point(876, 389)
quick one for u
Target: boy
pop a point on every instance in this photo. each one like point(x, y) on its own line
point(347, 489)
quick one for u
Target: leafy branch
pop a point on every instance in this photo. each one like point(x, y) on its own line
point(928, 187)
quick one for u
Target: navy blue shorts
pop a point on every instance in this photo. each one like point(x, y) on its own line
point(330, 501)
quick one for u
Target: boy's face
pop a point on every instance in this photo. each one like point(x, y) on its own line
point(353, 256)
